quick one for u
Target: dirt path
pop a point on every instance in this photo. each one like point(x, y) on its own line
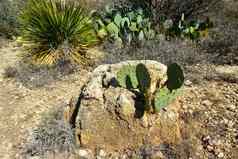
point(21, 108)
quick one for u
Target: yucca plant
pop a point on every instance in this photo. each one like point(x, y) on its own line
point(56, 30)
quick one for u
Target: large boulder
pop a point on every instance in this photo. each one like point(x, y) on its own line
point(108, 117)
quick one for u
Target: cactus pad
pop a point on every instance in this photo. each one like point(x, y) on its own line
point(143, 77)
point(126, 77)
point(164, 97)
point(175, 77)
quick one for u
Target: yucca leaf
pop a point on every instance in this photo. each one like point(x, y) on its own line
point(141, 36)
point(133, 27)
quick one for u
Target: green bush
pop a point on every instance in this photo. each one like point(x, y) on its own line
point(173, 9)
point(124, 25)
point(191, 29)
point(56, 30)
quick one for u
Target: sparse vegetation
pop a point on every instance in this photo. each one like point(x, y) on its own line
point(36, 76)
point(173, 9)
point(9, 11)
point(10, 72)
point(56, 36)
point(190, 29)
point(52, 135)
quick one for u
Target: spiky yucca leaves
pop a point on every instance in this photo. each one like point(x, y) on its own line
point(56, 30)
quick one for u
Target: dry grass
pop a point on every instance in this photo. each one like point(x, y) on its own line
point(51, 137)
point(34, 76)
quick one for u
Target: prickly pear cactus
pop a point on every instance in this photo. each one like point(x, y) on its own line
point(143, 77)
point(170, 91)
point(164, 97)
point(144, 80)
point(139, 77)
point(175, 77)
point(126, 77)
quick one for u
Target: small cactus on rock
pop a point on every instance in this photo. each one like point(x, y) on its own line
point(170, 90)
point(139, 78)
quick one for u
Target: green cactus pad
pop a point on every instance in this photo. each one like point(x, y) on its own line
point(143, 77)
point(112, 28)
point(125, 22)
point(175, 77)
point(118, 19)
point(126, 77)
point(164, 97)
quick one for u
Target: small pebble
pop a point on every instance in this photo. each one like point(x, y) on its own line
point(220, 155)
point(188, 83)
point(207, 103)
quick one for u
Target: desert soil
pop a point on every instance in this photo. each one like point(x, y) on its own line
point(21, 108)
point(210, 110)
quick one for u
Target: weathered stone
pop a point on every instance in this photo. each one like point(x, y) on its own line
point(94, 89)
point(109, 79)
point(157, 155)
point(108, 114)
point(126, 105)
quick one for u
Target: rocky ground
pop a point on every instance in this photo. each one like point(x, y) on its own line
point(209, 104)
point(209, 109)
point(210, 115)
point(21, 108)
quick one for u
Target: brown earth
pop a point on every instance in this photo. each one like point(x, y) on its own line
point(21, 108)
point(209, 110)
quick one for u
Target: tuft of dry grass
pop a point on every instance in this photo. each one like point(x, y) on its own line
point(51, 137)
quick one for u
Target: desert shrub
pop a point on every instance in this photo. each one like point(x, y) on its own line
point(52, 135)
point(9, 11)
point(35, 76)
point(124, 25)
point(56, 30)
point(192, 29)
point(96, 4)
point(222, 44)
point(177, 50)
point(10, 72)
point(173, 9)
